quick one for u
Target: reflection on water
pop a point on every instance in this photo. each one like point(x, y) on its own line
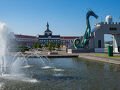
point(69, 74)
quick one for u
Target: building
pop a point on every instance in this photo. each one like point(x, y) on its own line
point(97, 35)
point(49, 37)
point(67, 41)
point(28, 41)
point(25, 40)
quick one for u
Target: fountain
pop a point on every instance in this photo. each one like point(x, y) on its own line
point(11, 67)
point(3, 47)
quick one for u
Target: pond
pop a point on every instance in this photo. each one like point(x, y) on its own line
point(66, 74)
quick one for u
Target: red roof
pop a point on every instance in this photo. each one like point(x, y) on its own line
point(69, 37)
point(25, 36)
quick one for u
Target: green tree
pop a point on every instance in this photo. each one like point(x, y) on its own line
point(23, 48)
point(39, 45)
point(57, 45)
point(50, 46)
point(35, 45)
point(45, 45)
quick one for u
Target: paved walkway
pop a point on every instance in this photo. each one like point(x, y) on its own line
point(98, 58)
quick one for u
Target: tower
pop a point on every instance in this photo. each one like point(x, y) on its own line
point(47, 26)
point(48, 32)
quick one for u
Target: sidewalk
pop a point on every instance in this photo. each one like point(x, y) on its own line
point(98, 58)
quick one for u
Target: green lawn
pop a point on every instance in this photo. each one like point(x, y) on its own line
point(106, 55)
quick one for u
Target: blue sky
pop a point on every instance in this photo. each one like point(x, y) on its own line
point(66, 17)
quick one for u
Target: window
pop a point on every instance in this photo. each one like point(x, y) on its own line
point(112, 28)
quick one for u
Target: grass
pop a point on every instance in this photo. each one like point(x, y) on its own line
point(115, 56)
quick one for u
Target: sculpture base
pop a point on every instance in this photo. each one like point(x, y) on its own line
point(81, 50)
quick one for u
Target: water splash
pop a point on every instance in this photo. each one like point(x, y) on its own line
point(1, 85)
point(11, 68)
point(58, 70)
point(4, 33)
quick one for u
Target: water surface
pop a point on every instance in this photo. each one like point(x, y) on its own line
point(65, 74)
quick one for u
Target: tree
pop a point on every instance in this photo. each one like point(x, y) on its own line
point(57, 45)
point(45, 45)
point(50, 46)
point(23, 48)
point(39, 45)
point(35, 45)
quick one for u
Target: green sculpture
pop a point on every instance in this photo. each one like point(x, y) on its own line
point(81, 43)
